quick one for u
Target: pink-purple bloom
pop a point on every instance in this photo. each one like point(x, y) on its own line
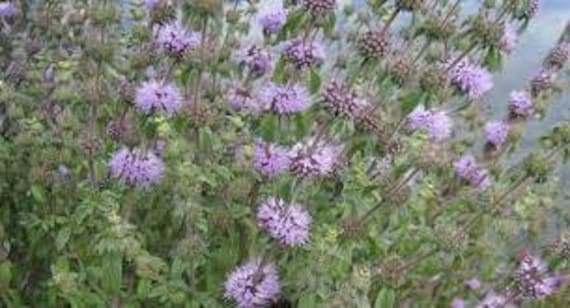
point(152, 4)
point(288, 224)
point(256, 59)
point(496, 133)
point(532, 279)
point(458, 303)
point(319, 7)
point(437, 124)
point(136, 167)
point(7, 9)
point(315, 157)
point(467, 169)
point(158, 96)
point(177, 39)
point(304, 54)
point(509, 38)
point(493, 300)
point(340, 99)
point(470, 78)
point(520, 103)
point(273, 21)
point(241, 100)
point(473, 283)
point(253, 285)
point(270, 159)
point(285, 99)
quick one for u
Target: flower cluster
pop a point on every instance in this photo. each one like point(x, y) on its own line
point(468, 169)
point(304, 54)
point(508, 39)
point(319, 7)
point(520, 104)
point(532, 279)
point(253, 284)
point(152, 96)
point(496, 133)
point(241, 100)
point(315, 157)
point(437, 124)
point(272, 22)
point(285, 99)
point(136, 167)
point(472, 79)
point(256, 59)
point(176, 39)
point(270, 159)
point(339, 99)
point(7, 9)
point(543, 80)
point(288, 224)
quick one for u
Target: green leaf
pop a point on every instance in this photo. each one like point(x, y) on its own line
point(62, 238)
point(314, 82)
point(328, 26)
point(410, 101)
point(292, 25)
point(308, 301)
point(279, 71)
point(112, 273)
point(386, 299)
point(38, 193)
point(5, 275)
point(269, 127)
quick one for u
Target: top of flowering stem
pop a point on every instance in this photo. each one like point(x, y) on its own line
point(288, 224)
point(493, 300)
point(532, 279)
point(152, 4)
point(473, 283)
point(509, 38)
point(496, 133)
point(339, 99)
point(543, 80)
point(436, 123)
point(472, 79)
point(315, 157)
point(256, 59)
point(241, 100)
point(458, 303)
point(520, 103)
point(270, 159)
point(253, 284)
point(136, 167)
point(272, 21)
point(177, 39)
point(304, 54)
point(7, 9)
point(152, 96)
point(319, 7)
point(558, 56)
point(285, 99)
point(467, 169)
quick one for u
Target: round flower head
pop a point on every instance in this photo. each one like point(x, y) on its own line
point(269, 159)
point(253, 285)
point(493, 300)
point(152, 4)
point(315, 158)
point(419, 118)
point(241, 100)
point(257, 60)
point(288, 224)
point(473, 283)
point(176, 39)
point(304, 54)
point(437, 124)
point(7, 9)
point(458, 303)
point(272, 22)
point(496, 133)
point(285, 99)
point(467, 169)
point(558, 56)
point(158, 96)
point(136, 168)
point(520, 103)
point(319, 7)
point(339, 99)
point(542, 81)
point(472, 79)
point(508, 39)
point(532, 280)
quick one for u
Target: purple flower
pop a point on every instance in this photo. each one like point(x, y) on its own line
point(319, 7)
point(158, 96)
point(509, 38)
point(7, 9)
point(493, 300)
point(136, 167)
point(152, 4)
point(63, 170)
point(288, 224)
point(340, 99)
point(176, 39)
point(269, 159)
point(436, 123)
point(272, 22)
point(472, 79)
point(532, 280)
point(304, 54)
point(253, 285)
point(520, 103)
point(542, 80)
point(285, 99)
point(257, 60)
point(241, 100)
point(496, 133)
point(315, 158)
point(473, 283)
point(467, 169)
point(458, 303)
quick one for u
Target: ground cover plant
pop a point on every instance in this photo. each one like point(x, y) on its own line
point(304, 153)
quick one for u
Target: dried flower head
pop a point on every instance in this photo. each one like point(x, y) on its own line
point(509, 38)
point(158, 96)
point(339, 99)
point(176, 39)
point(496, 133)
point(285, 99)
point(288, 224)
point(315, 157)
point(520, 104)
point(136, 167)
point(304, 54)
point(374, 44)
point(319, 7)
point(467, 169)
point(272, 22)
point(270, 159)
point(256, 59)
point(558, 56)
point(472, 79)
point(253, 285)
